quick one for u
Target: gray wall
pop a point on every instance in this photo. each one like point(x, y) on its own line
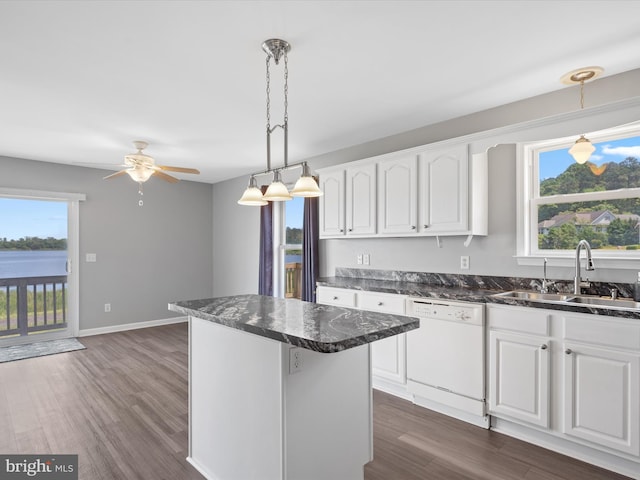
point(491, 255)
point(146, 256)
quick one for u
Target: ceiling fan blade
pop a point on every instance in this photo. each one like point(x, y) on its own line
point(117, 174)
point(179, 169)
point(100, 165)
point(165, 177)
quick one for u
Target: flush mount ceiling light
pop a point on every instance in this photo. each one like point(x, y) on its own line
point(582, 149)
point(306, 186)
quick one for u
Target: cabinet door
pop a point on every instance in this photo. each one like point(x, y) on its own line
point(398, 195)
point(332, 206)
point(388, 356)
point(361, 200)
point(444, 191)
point(602, 397)
point(519, 377)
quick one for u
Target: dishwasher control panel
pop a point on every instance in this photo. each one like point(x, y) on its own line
point(470, 313)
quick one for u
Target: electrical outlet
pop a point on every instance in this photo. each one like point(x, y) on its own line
point(367, 259)
point(464, 262)
point(91, 257)
point(107, 307)
point(295, 360)
point(359, 259)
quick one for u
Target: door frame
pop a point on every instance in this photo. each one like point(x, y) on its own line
point(73, 258)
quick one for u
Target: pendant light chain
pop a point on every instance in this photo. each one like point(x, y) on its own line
point(268, 95)
point(286, 88)
point(582, 95)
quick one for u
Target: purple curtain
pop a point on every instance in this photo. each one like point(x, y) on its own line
point(310, 261)
point(265, 280)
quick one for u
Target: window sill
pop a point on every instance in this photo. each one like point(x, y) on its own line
point(618, 263)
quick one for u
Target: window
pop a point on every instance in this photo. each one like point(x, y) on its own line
point(293, 249)
point(599, 201)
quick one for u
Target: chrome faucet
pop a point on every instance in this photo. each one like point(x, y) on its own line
point(577, 281)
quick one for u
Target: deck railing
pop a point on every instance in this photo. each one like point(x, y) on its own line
point(32, 304)
point(293, 280)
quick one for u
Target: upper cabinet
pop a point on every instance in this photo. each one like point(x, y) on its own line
point(332, 204)
point(398, 195)
point(444, 190)
point(361, 199)
point(418, 192)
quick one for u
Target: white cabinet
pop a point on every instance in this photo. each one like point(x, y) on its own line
point(519, 381)
point(519, 377)
point(601, 358)
point(418, 192)
point(361, 199)
point(444, 190)
point(398, 195)
point(331, 208)
point(388, 356)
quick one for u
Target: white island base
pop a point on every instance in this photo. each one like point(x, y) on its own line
point(249, 418)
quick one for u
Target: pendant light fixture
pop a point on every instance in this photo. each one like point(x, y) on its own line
point(306, 186)
point(581, 151)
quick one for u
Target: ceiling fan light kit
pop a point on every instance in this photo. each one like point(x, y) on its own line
point(306, 186)
point(581, 151)
point(140, 167)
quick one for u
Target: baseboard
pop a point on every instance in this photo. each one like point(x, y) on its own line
point(130, 326)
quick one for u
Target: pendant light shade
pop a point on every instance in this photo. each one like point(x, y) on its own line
point(581, 150)
point(252, 196)
point(306, 186)
point(277, 191)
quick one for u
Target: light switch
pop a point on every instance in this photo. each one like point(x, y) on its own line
point(91, 257)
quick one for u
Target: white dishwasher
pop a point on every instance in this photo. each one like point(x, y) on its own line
point(446, 358)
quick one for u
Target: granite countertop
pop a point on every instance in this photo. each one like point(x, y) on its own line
point(467, 293)
point(321, 328)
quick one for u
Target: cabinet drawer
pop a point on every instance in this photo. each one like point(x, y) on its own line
point(518, 319)
point(382, 302)
point(336, 296)
point(605, 331)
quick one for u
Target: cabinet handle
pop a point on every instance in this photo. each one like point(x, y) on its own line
point(568, 351)
point(335, 298)
point(425, 226)
point(380, 304)
point(342, 230)
point(351, 229)
point(543, 346)
point(413, 227)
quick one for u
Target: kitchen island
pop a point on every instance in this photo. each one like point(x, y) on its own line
point(280, 388)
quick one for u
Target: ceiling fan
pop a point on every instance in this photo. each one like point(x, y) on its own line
point(140, 167)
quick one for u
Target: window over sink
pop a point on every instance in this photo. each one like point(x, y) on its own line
point(563, 202)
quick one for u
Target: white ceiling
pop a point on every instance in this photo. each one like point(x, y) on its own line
point(79, 81)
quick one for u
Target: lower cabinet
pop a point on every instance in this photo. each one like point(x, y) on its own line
point(602, 398)
point(388, 356)
point(519, 377)
point(573, 376)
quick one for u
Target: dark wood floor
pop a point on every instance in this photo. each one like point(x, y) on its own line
point(121, 405)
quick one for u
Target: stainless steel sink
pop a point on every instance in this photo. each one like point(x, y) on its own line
point(569, 298)
point(605, 302)
point(537, 296)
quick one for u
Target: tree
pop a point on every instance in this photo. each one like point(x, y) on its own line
point(622, 232)
point(564, 237)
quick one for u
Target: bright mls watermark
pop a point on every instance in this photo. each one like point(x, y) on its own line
point(50, 467)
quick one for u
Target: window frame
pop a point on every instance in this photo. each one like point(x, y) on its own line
point(529, 200)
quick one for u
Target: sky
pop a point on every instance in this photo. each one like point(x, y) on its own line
point(554, 162)
point(294, 212)
point(32, 218)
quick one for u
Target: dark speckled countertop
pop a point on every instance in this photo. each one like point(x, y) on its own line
point(459, 288)
point(321, 328)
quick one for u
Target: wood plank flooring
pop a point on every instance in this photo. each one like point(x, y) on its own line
point(121, 405)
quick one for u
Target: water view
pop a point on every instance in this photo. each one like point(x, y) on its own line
point(15, 264)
